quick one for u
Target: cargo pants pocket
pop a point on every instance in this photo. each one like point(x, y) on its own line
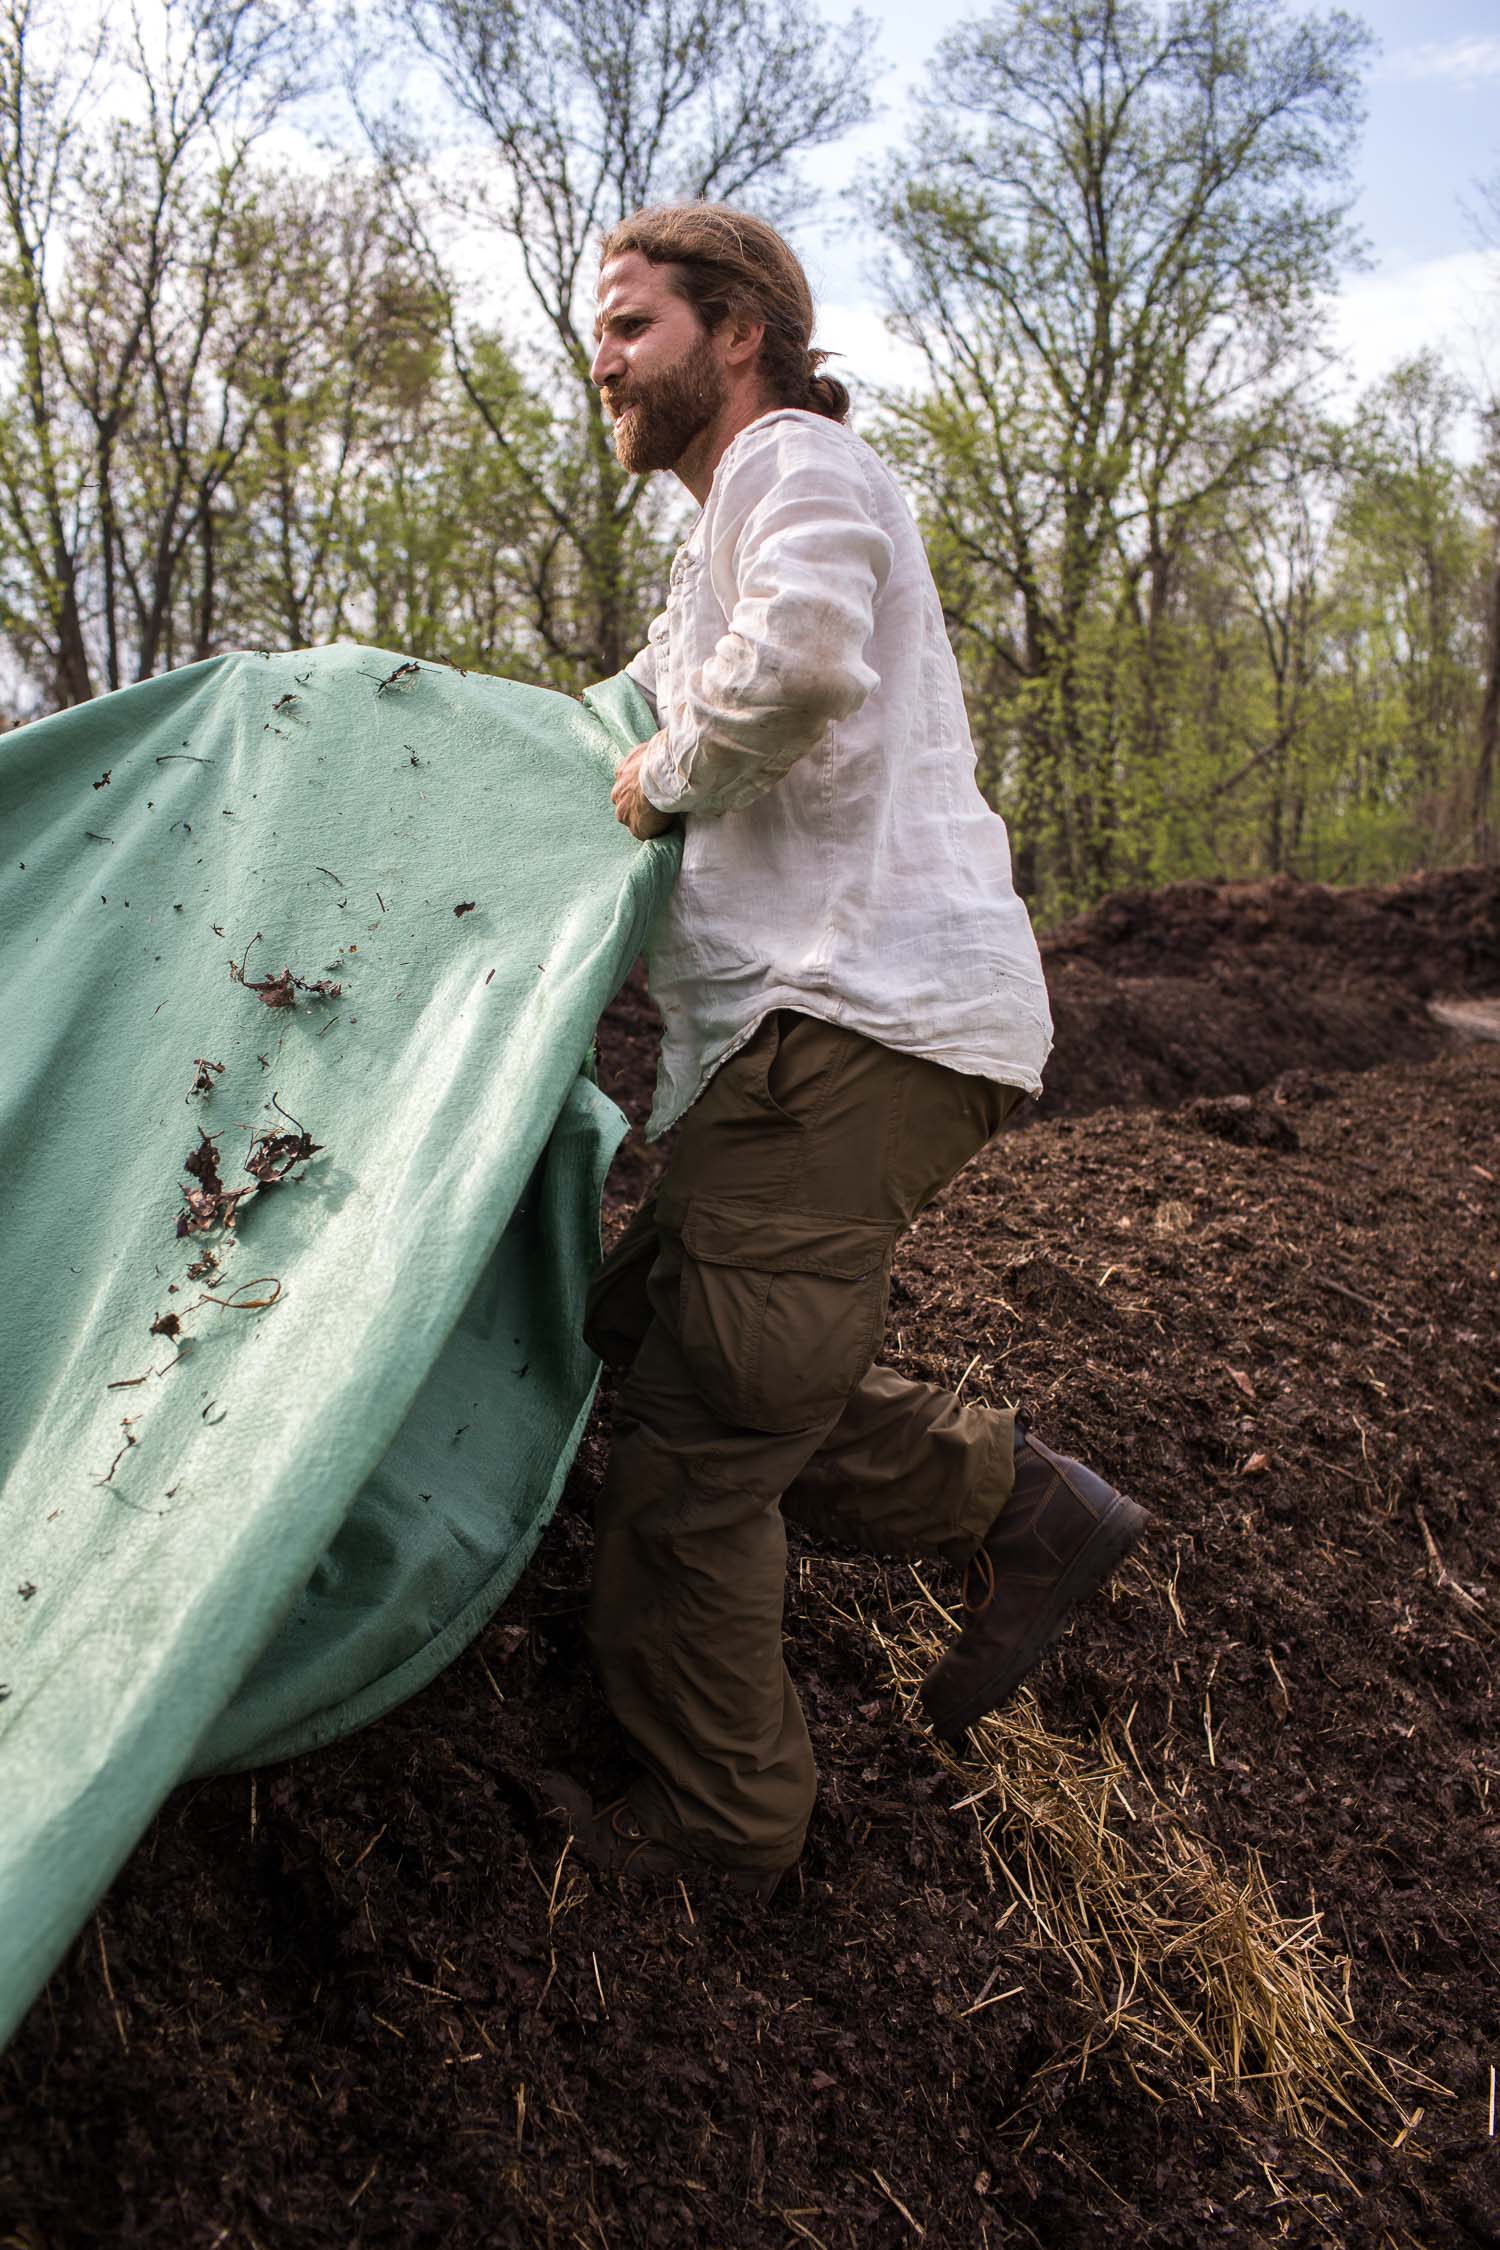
point(780, 1313)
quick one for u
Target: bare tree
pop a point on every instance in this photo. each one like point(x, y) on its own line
point(121, 190)
point(367, 499)
point(43, 102)
point(1277, 541)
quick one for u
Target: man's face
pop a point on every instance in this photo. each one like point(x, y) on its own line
point(658, 368)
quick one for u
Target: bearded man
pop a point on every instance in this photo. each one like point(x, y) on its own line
point(852, 1003)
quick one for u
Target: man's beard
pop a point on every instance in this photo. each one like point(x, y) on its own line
point(657, 419)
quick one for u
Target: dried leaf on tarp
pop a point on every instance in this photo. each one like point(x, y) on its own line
point(203, 1081)
point(237, 1301)
point(210, 1203)
point(280, 992)
point(403, 672)
point(203, 1162)
point(273, 1155)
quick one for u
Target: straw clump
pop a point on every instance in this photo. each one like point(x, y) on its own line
point(1190, 1968)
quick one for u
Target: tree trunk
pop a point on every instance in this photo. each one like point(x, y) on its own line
point(1489, 725)
point(72, 683)
point(208, 591)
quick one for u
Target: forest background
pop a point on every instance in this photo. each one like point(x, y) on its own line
point(295, 311)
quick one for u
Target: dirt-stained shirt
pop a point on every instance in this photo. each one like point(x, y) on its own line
point(838, 857)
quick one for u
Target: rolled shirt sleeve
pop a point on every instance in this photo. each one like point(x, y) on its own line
point(798, 562)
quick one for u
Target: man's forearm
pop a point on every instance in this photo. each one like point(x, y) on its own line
point(721, 750)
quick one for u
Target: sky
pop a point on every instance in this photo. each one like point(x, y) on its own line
point(1432, 132)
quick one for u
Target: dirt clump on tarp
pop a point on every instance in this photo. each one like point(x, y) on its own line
point(364, 1998)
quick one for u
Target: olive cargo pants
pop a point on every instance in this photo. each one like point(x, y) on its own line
point(743, 1306)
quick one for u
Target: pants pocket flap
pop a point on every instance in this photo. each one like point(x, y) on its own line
point(735, 1234)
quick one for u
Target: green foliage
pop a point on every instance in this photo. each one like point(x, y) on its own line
point(1112, 240)
point(1202, 630)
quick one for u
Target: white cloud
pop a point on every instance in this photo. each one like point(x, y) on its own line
point(1466, 61)
point(1450, 305)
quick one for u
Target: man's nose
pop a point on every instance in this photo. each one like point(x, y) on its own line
point(608, 361)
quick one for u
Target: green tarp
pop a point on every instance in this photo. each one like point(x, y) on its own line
point(265, 1519)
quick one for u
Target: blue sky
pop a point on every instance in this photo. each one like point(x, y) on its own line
point(1432, 131)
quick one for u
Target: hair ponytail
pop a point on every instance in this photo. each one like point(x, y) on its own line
point(725, 262)
point(825, 393)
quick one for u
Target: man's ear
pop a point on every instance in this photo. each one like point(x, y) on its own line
point(742, 339)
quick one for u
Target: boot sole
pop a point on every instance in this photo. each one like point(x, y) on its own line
point(1105, 1549)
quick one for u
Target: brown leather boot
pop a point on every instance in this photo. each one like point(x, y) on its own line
point(1059, 1535)
point(610, 1837)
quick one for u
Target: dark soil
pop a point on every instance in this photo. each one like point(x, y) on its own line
point(356, 2000)
point(1432, 933)
point(1218, 987)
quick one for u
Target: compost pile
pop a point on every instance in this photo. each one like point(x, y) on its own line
point(1106, 1982)
point(1217, 987)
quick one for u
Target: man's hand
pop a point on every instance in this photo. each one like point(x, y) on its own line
point(631, 804)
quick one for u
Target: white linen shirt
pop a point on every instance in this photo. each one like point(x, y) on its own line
point(838, 857)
